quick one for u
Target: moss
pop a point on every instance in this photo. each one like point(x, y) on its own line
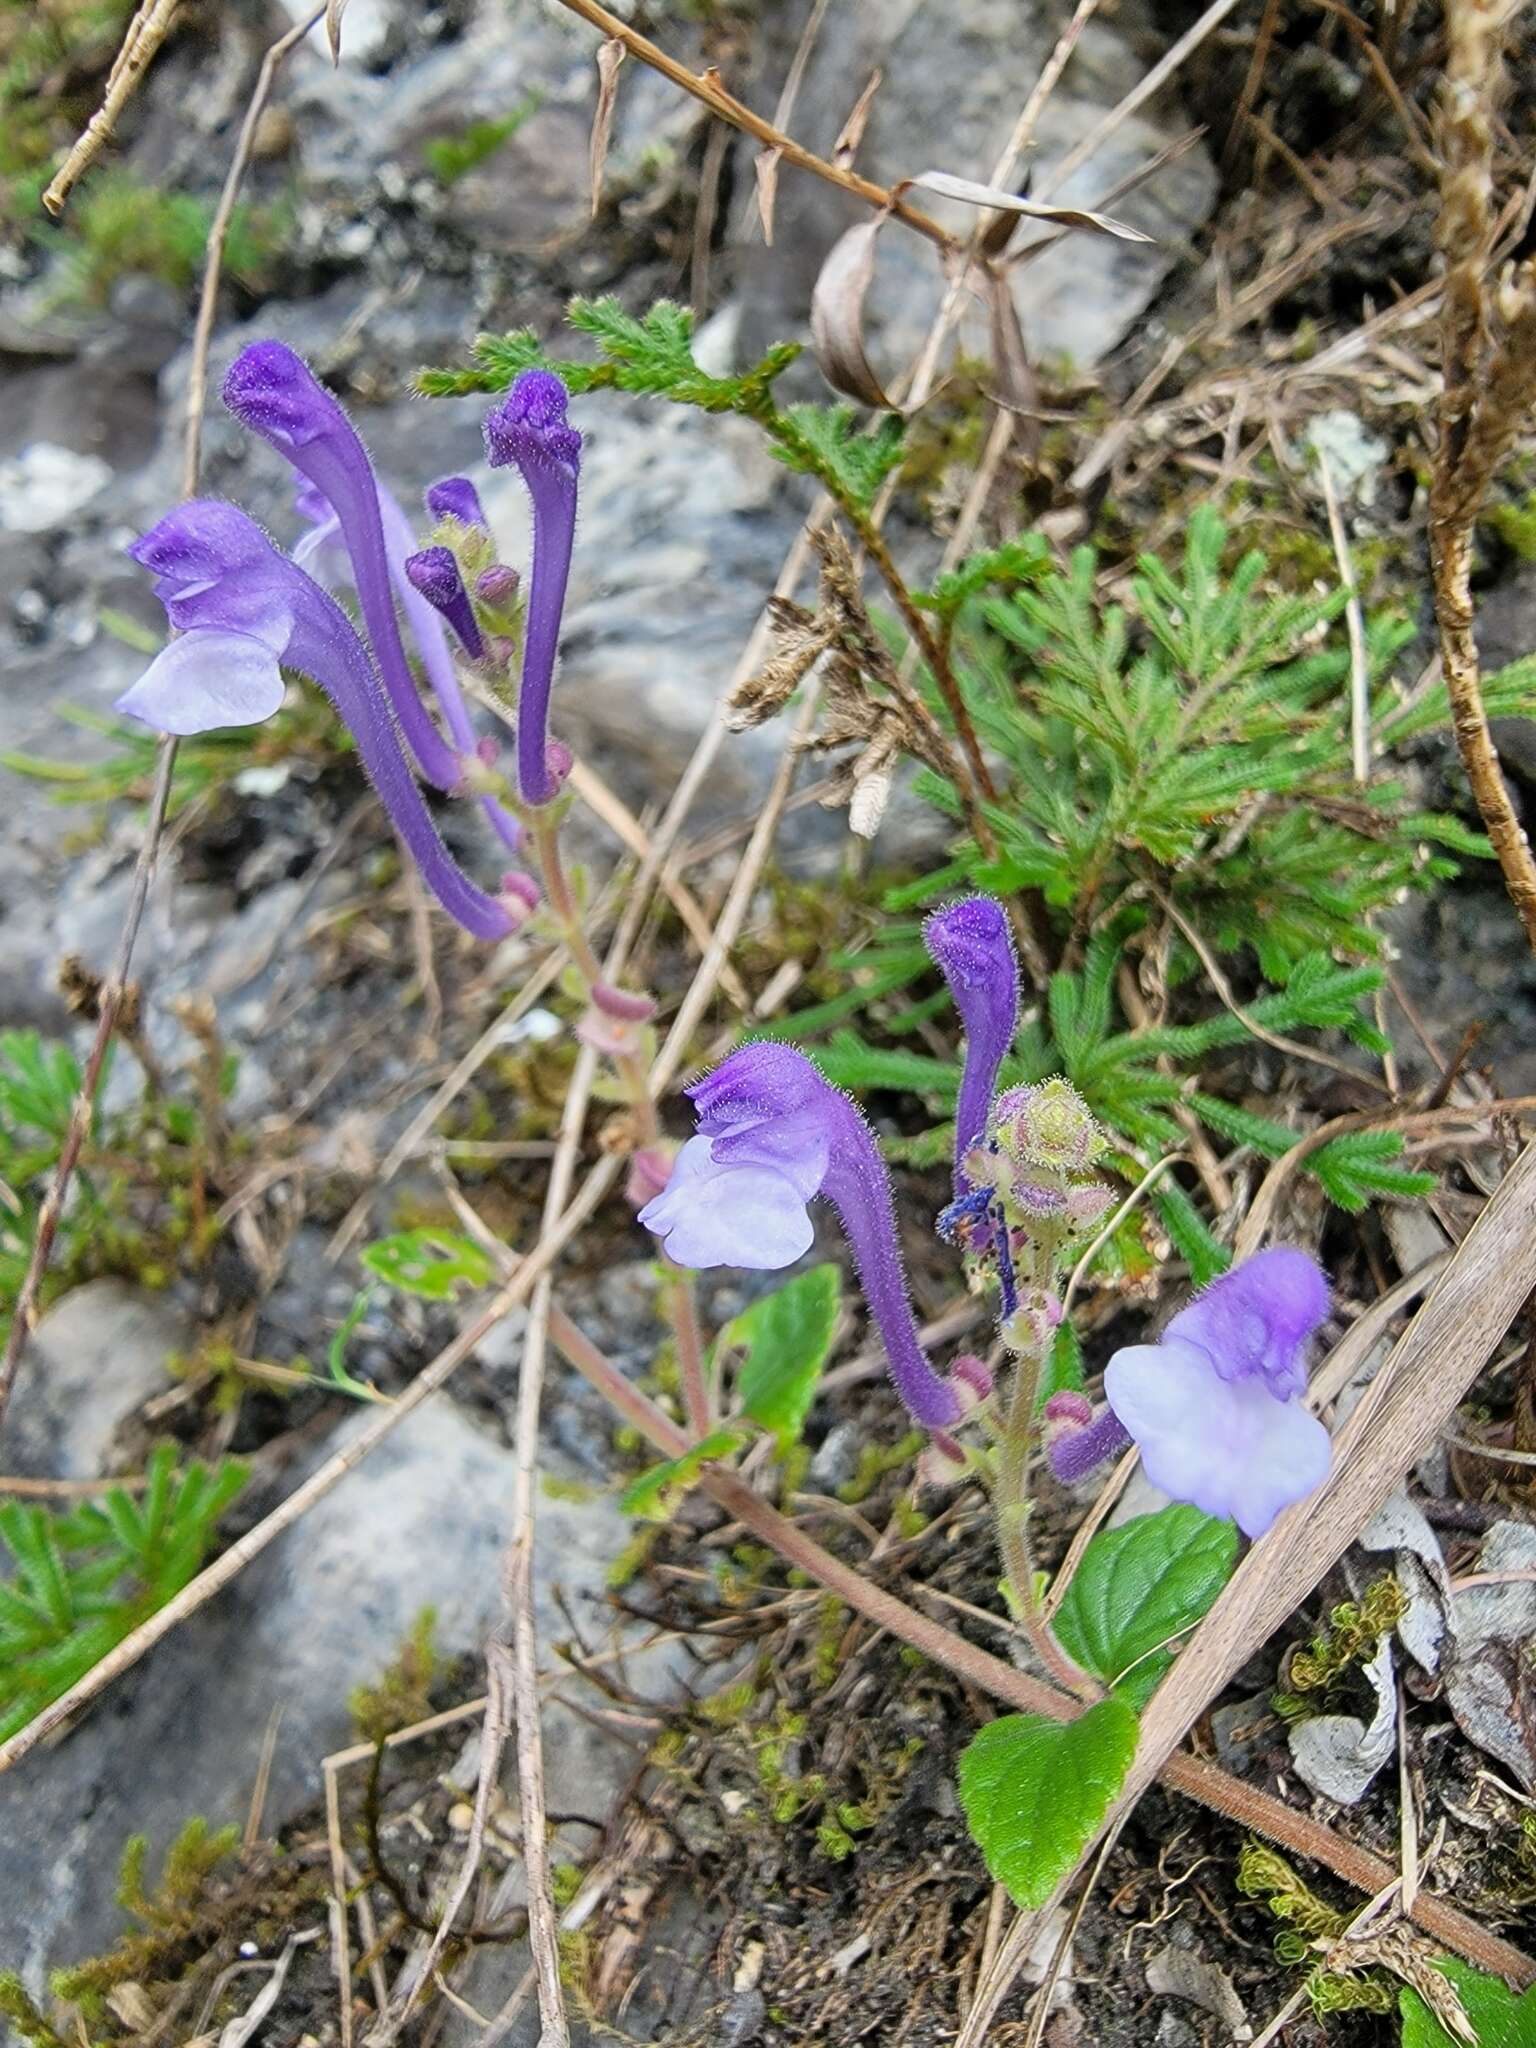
point(1515, 524)
point(401, 1696)
point(875, 1461)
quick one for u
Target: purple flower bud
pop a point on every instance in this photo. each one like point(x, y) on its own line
point(649, 1171)
point(274, 393)
point(1216, 1405)
point(455, 497)
point(624, 1003)
point(773, 1133)
point(435, 573)
point(521, 894)
point(497, 585)
point(1077, 1439)
point(529, 428)
point(243, 609)
point(970, 944)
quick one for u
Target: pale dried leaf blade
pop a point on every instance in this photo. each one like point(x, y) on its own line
point(766, 168)
point(966, 189)
point(846, 147)
point(837, 315)
point(610, 56)
point(334, 10)
point(1014, 383)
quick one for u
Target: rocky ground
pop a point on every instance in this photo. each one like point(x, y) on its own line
point(384, 267)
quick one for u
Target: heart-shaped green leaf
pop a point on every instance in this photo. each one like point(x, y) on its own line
point(1035, 1791)
point(1139, 1586)
point(787, 1335)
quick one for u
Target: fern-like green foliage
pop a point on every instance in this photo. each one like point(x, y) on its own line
point(80, 1582)
point(1194, 739)
point(652, 355)
point(1133, 1080)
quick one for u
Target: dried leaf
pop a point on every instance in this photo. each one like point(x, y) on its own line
point(973, 194)
point(1338, 1754)
point(766, 168)
point(610, 56)
point(837, 315)
point(334, 9)
point(1013, 374)
point(846, 147)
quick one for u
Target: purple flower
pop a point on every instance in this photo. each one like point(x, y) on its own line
point(1216, 1405)
point(970, 944)
point(243, 610)
point(434, 574)
point(273, 392)
point(455, 497)
point(773, 1133)
point(529, 428)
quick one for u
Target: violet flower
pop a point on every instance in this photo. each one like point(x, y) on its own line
point(529, 428)
point(322, 550)
point(1215, 1405)
point(273, 392)
point(774, 1133)
point(970, 944)
point(242, 610)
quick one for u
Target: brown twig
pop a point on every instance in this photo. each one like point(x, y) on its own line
point(709, 90)
point(114, 988)
point(146, 32)
point(1488, 388)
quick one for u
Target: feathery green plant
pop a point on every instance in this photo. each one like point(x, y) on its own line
point(82, 1581)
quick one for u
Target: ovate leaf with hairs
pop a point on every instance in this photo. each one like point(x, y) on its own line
point(1035, 1792)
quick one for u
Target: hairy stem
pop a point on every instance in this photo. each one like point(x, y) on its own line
point(544, 834)
point(1012, 1507)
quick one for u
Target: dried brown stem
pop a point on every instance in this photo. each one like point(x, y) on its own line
point(146, 32)
point(708, 89)
point(1487, 388)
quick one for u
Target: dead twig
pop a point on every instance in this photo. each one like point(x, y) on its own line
point(146, 32)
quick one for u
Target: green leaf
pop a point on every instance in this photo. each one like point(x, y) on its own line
point(431, 1263)
point(787, 1335)
point(1499, 2019)
point(653, 1494)
point(1035, 1792)
point(1140, 1585)
point(1063, 1369)
point(824, 441)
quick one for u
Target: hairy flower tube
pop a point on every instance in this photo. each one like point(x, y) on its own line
point(1215, 1406)
point(772, 1134)
point(242, 610)
point(529, 429)
point(970, 944)
point(455, 497)
point(275, 394)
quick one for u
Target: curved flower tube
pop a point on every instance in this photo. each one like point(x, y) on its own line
point(274, 393)
point(529, 428)
point(773, 1133)
point(242, 609)
point(970, 944)
point(1216, 1405)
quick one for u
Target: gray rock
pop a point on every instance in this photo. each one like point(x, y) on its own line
point(422, 1522)
point(953, 82)
point(94, 1359)
point(44, 484)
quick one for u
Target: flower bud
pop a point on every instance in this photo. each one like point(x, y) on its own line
point(521, 894)
point(649, 1171)
point(1088, 1204)
point(970, 1379)
point(497, 585)
point(1033, 1323)
point(1047, 1125)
